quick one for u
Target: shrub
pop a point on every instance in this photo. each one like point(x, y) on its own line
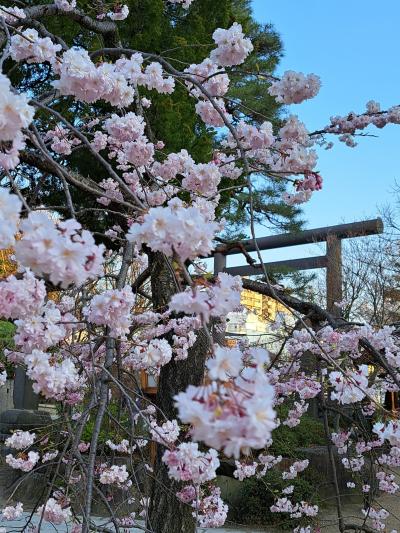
point(7, 330)
point(257, 496)
point(310, 432)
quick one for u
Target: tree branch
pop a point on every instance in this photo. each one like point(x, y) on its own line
point(306, 308)
point(107, 28)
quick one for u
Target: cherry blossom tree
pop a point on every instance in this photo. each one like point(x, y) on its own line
point(215, 405)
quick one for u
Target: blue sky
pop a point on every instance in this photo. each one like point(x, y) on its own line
point(354, 47)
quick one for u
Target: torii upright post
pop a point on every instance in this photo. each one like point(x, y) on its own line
point(334, 289)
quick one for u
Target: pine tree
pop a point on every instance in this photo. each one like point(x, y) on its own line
point(167, 29)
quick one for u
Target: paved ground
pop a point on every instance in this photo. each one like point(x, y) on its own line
point(328, 520)
point(12, 525)
point(352, 514)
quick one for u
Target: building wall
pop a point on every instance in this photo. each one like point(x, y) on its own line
point(263, 306)
point(255, 319)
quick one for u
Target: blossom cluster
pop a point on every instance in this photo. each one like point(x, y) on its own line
point(210, 510)
point(29, 47)
point(65, 5)
point(114, 83)
point(347, 126)
point(114, 474)
point(13, 512)
point(16, 114)
point(232, 46)
point(63, 251)
point(112, 308)
point(295, 87)
point(53, 512)
point(10, 207)
point(175, 229)
point(21, 298)
point(295, 468)
point(40, 330)
point(24, 462)
point(165, 434)
point(20, 440)
point(215, 301)
point(61, 141)
point(12, 14)
point(121, 447)
point(151, 356)
point(284, 505)
point(54, 379)
point(350, 387)
point(188, 463)
point(232, 417)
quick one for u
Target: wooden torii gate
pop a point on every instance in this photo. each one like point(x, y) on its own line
point(332, 260)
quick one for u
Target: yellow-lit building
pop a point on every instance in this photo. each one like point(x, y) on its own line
point(254, 321)
point(7, 266)
point(263, 306)
point(253, 301)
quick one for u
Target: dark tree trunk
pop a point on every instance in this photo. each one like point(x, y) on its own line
point(167, 514)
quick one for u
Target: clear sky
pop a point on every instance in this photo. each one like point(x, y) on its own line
point(354, 47)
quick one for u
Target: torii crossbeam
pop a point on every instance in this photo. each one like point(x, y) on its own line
point(332, 261)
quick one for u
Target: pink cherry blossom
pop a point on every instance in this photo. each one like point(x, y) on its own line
point(114, 475)
point(12, 14)
point(53, 512)
point(120, 13)
point(20, 440)
point(295, 468)
point(294, 87)
point(151, 356)
point(121, 447)
point(232, 46)
point(234, 418)
point(52, 378)
point(219, 300)
point(225, 363)
point(213, 115)
point(213, 79)
point(20, 298)
point(33, 49)
point(188, 463)
point(175, 228)
point(10, 207)
point(112, 308)
point(350, 388)
point(63, 251)
point(165, 434)
point(65, 5)
point(244, 470)
point(15, 112)
point(202, 178)
point(13, 512)
point(24, 463)
point(211, 511)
